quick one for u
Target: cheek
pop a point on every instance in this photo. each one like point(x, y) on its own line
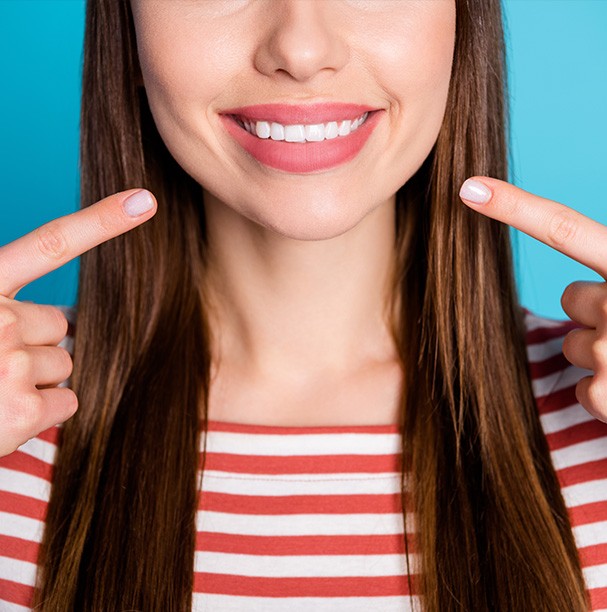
point(182, 70)
point(414, 58)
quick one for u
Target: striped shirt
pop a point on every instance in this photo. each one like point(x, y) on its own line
point(308, 518)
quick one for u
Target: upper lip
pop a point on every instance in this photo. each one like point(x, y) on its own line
point(302, 113)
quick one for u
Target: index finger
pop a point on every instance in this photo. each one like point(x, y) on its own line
point(554, 224)
point(57, 242)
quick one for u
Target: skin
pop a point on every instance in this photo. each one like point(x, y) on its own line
point(299, 264)
point(31, 363)
point(306, 287)
point(585, 302)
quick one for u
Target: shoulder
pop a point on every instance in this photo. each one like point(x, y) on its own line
point(577, 441)
point(552, 375)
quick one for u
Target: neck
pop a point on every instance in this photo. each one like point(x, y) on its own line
point(280, 304)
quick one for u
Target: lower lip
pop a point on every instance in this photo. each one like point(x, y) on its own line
point(302, 157)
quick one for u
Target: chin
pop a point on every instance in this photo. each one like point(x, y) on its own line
point(310, 225)
point(310, 233)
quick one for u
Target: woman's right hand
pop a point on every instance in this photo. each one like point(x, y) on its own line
point(31, 363)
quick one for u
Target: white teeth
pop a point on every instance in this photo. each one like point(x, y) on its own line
point(263, 130)
point(293, 133)
point(345, 127)
point(277, 131)
point(314, 133)
point(301, 133)
point(331, 130)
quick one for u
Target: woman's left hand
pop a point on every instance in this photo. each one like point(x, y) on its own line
point(578, 237)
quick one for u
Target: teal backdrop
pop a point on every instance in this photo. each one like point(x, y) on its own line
point(557, 54)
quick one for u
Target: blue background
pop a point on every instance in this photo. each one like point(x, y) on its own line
point(558, 81)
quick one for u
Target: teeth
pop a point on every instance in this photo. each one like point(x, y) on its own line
point(277, 131)
point(301, 133)
point(345, 127)
point(294, 133)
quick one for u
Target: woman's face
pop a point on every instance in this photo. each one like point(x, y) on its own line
point(201, 58)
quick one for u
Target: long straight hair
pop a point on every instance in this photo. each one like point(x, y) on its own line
point(492, 529)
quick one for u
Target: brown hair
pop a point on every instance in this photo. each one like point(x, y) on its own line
point(492, 527)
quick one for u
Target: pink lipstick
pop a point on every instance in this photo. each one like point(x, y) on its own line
point(292, 139)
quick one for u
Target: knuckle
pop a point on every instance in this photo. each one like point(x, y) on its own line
point(71, 403)
point(67, 362)
point(567, 347)
point(8, 320)
point(562, 228)
point(51, 241)
point(17, 364)
point(27, 412)
point(597, 392)
point(599, 351)
point(571, 293)
point(106, 223)
point(61, 319)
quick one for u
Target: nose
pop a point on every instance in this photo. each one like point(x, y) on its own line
point(300, 39)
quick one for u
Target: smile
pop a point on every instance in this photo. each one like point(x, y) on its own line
point(301, 132)
point(302, 147)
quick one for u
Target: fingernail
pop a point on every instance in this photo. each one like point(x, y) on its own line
point(138, 203)
point(475, 192)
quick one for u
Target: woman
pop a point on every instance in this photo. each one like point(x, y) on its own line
point(301, 310)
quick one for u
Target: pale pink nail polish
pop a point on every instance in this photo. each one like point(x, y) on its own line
point(138, 203)
point(475, 192)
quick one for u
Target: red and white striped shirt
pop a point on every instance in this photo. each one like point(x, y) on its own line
point(303, 518)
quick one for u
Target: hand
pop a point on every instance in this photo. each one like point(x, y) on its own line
point(31, 363)
point(580, 238)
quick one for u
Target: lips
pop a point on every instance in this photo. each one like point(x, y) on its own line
point(302, 157)
point(296, 114)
